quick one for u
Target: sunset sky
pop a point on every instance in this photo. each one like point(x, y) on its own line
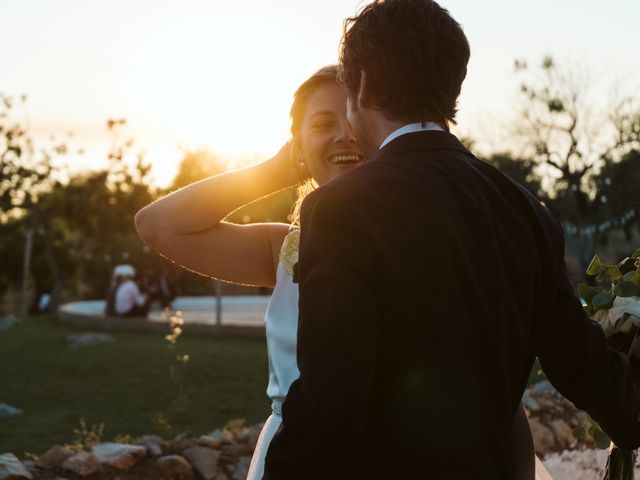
point(221, 74)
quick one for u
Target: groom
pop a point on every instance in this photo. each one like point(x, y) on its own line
point(429, 283)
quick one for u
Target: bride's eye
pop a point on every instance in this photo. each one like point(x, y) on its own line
point(322, 125)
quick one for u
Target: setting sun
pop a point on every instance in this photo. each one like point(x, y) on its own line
point(221, 75)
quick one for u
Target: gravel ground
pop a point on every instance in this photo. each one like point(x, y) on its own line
point(578, 464)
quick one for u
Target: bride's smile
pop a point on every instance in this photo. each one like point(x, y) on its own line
point(327, 143)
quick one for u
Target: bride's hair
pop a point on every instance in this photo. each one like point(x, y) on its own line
point(325, 75)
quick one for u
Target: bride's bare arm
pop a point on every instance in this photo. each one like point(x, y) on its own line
point(522, 451)
point(186, 226)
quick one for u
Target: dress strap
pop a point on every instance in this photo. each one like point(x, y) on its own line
point(289, 251)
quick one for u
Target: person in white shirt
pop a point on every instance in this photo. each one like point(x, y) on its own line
point(130, 301)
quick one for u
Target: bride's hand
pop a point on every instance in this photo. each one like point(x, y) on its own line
point(293, 169)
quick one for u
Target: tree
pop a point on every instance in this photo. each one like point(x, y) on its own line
point(570, 142)
point(572, 145)
point(618, 185)
point(520, 170)
point(88, 221)
point(199, 164)
point(22, 176)
point(25, 174)
point(196, 165)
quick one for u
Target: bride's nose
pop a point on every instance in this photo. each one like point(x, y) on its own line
point(345, 134)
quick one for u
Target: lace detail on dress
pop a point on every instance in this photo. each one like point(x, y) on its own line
point(289, 251)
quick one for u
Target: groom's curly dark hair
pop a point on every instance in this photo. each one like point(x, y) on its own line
point(414, 55)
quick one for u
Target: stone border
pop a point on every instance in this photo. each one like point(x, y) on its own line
point(141, 324)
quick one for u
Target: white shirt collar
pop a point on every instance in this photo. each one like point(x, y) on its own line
point(410, 128)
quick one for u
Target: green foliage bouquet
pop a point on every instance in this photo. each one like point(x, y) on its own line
point(616, 307)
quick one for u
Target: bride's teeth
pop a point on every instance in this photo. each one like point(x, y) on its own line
point(345, 159)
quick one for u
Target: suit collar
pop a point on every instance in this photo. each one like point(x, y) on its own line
point(421, 141)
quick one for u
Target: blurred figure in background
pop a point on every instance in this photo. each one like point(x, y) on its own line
point(125, 297)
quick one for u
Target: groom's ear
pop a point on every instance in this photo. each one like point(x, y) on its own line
point(361, 99)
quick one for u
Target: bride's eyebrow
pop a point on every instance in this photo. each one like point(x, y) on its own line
point(321, 112)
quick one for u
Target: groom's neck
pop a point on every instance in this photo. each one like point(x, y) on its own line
point(382, 127)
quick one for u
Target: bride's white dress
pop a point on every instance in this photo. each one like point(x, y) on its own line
point(281, 322)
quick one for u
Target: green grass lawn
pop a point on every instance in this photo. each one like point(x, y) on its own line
point(122, 384)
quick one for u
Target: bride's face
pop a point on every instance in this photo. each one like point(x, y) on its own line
point(327, 143)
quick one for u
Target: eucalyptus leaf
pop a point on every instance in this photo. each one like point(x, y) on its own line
point(603, 299)
point(595, 266)
point(592, 421)
point(579, 432)
point(625, 289)
point(600, 438)
point(587, 292)
point(629, 276)
point(614, 272)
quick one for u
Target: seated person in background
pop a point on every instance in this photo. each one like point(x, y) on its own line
point(157, 288)
point(129, 300)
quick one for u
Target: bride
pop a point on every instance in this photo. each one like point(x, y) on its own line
point(187, 227)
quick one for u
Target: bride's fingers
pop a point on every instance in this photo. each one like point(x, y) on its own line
point(297, 161)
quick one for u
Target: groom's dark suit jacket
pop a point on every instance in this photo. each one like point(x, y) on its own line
point(429, 283)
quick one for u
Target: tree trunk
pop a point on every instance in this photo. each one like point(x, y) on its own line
point(218, 306)
point(26, 269)
point(57, 278)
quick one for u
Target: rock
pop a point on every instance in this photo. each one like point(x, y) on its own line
point(204, 460)
point(543, 387)
point(236, 450)
point(118, 455)
point(8, 321)
point(83, 463)
point(543, 439)
point(242, 468)
point(7, 411)
point(184, 441)
point(253, 434)
point(530, 403)
point(563, 435)
point(130, 477)
point(577, 464)
point(87, 339)
point(206, 441)
point(579, 419)
point(174, 467)
point(12, 469)
point(155, 445)
point(218, 435)
point(53, 458)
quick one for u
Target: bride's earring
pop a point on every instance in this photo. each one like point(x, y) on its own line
point(301, 166)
